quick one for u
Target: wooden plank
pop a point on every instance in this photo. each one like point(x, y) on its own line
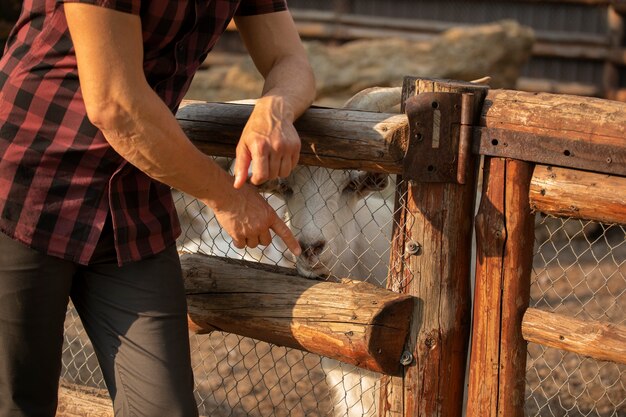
point(82, 401)
point(349, 24)
point(352, 321)
point(579, 132)
point(599, 340)
point(334, 138)
point(540, 85)
point(438, 217)
point(505, 236)
point(582, 195)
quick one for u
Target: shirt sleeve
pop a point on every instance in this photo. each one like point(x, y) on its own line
point(253, 7)
point(126, 6)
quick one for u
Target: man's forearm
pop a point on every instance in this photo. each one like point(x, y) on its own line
point(146, 134)
point(292, 80)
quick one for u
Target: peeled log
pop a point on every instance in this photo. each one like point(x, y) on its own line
point(352, 321)
point(334, 138)
point(599, 340)
point(578, 194)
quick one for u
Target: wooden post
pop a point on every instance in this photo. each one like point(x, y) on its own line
point(505, 238)
point(431, 261)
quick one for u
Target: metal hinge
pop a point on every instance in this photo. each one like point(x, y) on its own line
point(440, 131)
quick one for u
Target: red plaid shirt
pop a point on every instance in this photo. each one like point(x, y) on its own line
point(58, 175)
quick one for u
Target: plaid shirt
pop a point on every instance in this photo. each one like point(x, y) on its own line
point(59, 177)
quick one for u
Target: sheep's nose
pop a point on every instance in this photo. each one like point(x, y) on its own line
point(312, 249)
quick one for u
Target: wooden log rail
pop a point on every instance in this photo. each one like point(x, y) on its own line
point(353, 321)
point(599, 340)
point(570, 131)
point(515, 129)
point(578, 194)
point(334, 138)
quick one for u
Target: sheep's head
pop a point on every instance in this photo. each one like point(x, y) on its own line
point(321, 206)
point(321, 203)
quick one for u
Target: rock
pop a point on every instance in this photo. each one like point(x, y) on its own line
point(464, 53)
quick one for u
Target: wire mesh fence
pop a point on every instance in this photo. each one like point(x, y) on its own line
point(343, 220)
point(580, 271)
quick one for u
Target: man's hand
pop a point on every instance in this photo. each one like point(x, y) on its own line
point(269, 141)
point(248, 219)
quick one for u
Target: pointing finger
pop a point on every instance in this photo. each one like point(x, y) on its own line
point(281, 229)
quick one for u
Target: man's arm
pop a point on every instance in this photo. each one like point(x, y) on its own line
point(269, 139)
point(140, 127)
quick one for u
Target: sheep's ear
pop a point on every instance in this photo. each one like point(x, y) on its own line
point(376, 99)
point(365, 183)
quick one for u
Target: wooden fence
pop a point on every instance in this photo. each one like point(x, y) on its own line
point(580, 46)
point(558, 154)
point(515, 130)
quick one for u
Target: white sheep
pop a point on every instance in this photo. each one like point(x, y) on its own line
point(344, 231)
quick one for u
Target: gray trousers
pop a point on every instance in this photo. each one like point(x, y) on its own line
point(135, 316)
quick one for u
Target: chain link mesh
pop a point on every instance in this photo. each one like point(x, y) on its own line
point(579, 270)
point(239, 376)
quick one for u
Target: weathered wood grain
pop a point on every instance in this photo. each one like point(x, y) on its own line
point(578, 194)
point(599, 340)
point(334, 138)
point(505, 236)
point(438, 217)
point(352, 321)
point(579, 132)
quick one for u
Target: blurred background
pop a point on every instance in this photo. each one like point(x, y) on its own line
point(561, 46)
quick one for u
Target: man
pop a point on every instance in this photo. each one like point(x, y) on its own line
point(89, 148)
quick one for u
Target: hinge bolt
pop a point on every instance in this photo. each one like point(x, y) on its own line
point(406, 358)
point(413, 248)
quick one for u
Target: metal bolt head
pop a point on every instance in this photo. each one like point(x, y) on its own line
point(413, 248)
point(406, 358)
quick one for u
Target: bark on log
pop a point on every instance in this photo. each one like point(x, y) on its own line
point(599, 340)
point(333, 138)
point(438, 217)
point(505, 236)
point(578, 132)
point(582, 195)
point(353, 321)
